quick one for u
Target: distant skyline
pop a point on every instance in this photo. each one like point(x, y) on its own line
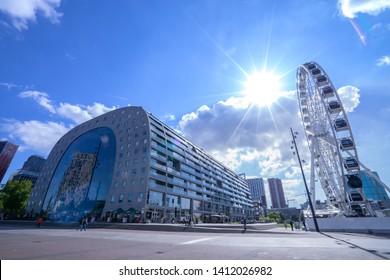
point(192, 64)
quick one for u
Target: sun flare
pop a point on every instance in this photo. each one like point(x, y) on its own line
point(262, 88)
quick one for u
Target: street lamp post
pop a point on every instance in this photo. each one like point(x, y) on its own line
point(304, 180)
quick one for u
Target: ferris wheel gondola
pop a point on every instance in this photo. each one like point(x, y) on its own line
point(330, 139)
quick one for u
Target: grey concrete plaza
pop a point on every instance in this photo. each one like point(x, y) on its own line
point(177, 242)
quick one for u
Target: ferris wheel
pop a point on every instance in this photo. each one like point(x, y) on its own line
point(334, 158)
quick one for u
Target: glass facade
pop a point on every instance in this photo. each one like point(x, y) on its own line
point(372, 189)
point(82, 178)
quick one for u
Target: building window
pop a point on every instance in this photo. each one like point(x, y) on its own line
point(112, 198)
point(121, 196)
point(130, 197)
point(171, 201)
point(139, 197)
point(185, 203)
point(155, 198)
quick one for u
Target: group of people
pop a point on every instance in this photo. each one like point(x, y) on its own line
point(296, 225)
point(83, 223)
point(190, 222)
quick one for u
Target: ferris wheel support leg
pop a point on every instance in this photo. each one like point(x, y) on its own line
point(312, 182)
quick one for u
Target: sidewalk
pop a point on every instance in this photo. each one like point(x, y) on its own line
point(218, 228)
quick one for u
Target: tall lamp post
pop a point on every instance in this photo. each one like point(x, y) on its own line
point(294, 135)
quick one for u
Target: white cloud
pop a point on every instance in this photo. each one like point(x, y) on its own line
point(74, 112)
point(350, 8)
point(257, 140)
point(80, 113)
point(35, 135)
point(168, 117)
point(8, 85)
point(41, 136)
point(41, 97)
point(239, 133)
point(23, 11)
point(350, 97)
point(385, 60)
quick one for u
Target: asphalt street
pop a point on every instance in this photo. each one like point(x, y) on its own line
point(29, 243)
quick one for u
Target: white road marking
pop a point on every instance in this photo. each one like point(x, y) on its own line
point(198, 240)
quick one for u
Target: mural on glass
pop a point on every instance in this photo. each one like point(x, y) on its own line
point(82, 178)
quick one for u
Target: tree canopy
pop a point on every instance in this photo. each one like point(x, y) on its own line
point(13, 198)
point(276, 216)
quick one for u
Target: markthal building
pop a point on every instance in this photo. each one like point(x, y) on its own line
point(126, 166)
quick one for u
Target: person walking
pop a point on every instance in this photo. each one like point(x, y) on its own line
point(292, 225)
point(39, 222)
point(244, 223)
point(84, 224)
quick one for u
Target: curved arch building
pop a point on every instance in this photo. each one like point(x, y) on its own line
point(127, 163)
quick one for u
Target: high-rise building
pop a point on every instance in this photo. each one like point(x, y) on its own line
point(7, 152)
point(276, 193)
point(256, 186)
point(31, 169)
point(126, 164)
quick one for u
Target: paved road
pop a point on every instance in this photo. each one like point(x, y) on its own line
point(28, 243)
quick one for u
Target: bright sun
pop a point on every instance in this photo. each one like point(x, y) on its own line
point(262, 88)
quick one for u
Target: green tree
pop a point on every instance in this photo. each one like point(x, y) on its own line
point(14, 197)
point(276, 216)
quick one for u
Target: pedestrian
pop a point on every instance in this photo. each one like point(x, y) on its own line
point(285, 224)
point(292, 225)
point(84, 224)
point(39, 222)
point(304, 225)
point(244, 223)
point(80, 224)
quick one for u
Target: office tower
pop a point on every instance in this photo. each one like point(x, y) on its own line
point(256, 186)
point(7, 152)
point(276, 193)
point(31, 169)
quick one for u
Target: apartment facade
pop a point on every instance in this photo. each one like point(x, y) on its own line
point(127, 164)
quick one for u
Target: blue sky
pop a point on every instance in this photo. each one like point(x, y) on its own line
point(64, 62)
